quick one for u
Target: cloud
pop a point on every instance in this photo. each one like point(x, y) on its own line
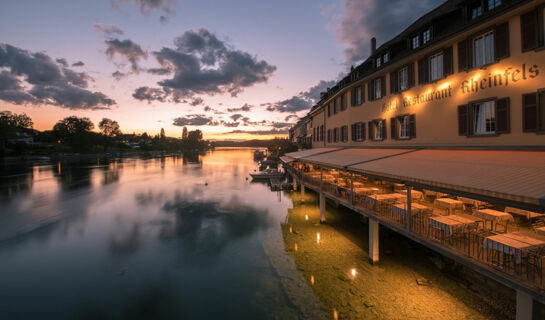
point(230, 124)
point(119, 75)
point(36, 78)
point(196, 102)
point(203, 64)
point(364, 19)
point(78, 64)
point(236, 116)
point(109, 30)
point(301, 102)
point(194, 120)
point(62, 62)
point(291, 116)
point(259, 132)
point(147, 6)
point(215, 111)
point(246, 107)
point(127, 50)
point(150, 94)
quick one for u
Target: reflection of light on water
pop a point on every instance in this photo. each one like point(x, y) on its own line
point(295, 247)
point(335, 314)
point(291, 231)
point(311, 280)
point(306, 217)
point(353, 271)
point(318, 237)
point(59, 168)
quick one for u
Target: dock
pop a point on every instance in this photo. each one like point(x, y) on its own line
point(277, 185)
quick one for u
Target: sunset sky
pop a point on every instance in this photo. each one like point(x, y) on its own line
point(235, 69)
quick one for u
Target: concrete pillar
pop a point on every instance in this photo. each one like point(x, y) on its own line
point(524, 306)
point(373, 241)
point(322, 207)
point(294, 182)
point(302, 193)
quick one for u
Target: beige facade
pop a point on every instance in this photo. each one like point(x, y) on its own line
point(435, 105)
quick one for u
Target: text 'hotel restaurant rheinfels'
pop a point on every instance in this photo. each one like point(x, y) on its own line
point(454, 104)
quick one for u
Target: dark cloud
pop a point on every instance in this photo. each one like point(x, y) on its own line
point(196, 102)
point(301, 102)
point(119, 75)
point(291, 116)
point(147, 6)
point(236, 116)
point(230, 124)
point(159, 71)
point(203, 64)
point(62, 62)
point(246, 107)
point(281, 125)
point(78, 64)
point(126, 49)
point(259, 132)
point(45, 81)
point(109, 30)
point(365, 19)
point(215, 111)
point(150, 94)
point(195, 120)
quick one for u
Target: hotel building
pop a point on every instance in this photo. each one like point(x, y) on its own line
point(451, 114)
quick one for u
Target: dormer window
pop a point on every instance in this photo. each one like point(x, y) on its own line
point(415, 42)
point(476, 10)
point(493, 4)
point(378, 62)
point(385, 57)
point(426, 35)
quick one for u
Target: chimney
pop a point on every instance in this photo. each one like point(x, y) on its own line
point(373, 45)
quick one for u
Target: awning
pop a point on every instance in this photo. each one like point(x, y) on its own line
point(351, 156)
point(309, 152)
point(517, 176)
point(287, 159)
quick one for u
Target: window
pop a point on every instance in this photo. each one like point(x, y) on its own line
point(357, 96)
point(426, 35)
point(436, 67)
point(377, 130)
point(335, 106)
point(336, 135)
point(344, 133)
point(532, 26)
point(476, 10)
point(378, 62)
point(403, 75)
point(313, 134)
point(483, 49)
point(385, 57)
point(484, 118)
point(358, 131)
point(403, 127)
point(493, 4)
point(329, 109)
point(415, 42)
point(328, 135)
point(378, 88)
point(322, 133)
point(533, 112)
point(343, 102)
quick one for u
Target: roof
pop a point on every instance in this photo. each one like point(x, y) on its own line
point(508, 175)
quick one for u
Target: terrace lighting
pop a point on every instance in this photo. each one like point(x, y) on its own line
point(311, 280)
point(306, 217)
point(317, 237)
point(353, 271)
point(295, 247)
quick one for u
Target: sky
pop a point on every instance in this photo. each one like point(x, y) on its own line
point(239, 69)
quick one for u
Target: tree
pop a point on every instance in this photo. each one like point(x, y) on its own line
point(110, 130)
point(75, 131)
point(162, 135)
point(184, 133)
point(10, 123)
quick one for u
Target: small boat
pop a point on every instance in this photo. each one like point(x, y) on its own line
point(258, 155)
point(266, 175)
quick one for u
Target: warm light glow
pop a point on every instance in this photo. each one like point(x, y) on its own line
point(311, 280)
point(291, 231)
point(353, 271)
point(443, 86)
point(335, 315)
point(295, 247)
point(59, 168)
point(318, 237)
point(306, 217)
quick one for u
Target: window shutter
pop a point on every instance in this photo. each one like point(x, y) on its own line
point(529, 30)
point(503, 122)
point(501, 41)
point(362, 130)
point(370, 90)
point(393, 126)
point(530, 112)
point(353, 97)
point(410, 68)
point(463, 55)
point(362, 93)
point(383, 129)
point(463, 119)
point(447, 61)
point(383, 86)
point(393, 82)
point(422, 66)
point(412, 126)
point(371, 136)
point(353, 131)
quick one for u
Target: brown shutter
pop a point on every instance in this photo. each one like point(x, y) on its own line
point(529, 30)
point(447, 61)
point(393, 126)
point(383, 86)
point(503, 115)
point(463, 119)
point(530, 115)
point(422, 70)
point(370, 90)
point(393, 82)
point(362, 93)
point(412, 125)
point(352, 97)
point(362, 131)
point(501, 41)
point(410, 68)
point(370, 124)
point(383, 129)
point(464, 61)
point(353, 131)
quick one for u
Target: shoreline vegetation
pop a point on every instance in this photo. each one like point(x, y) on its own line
point(74, 137)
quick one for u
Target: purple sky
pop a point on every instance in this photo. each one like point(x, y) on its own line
point(233, 69)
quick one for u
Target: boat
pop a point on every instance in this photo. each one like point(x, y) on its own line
point(266, 175)
point(258, 155)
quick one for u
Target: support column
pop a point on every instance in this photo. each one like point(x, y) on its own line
point(409, 210)
point(302, 192)
point(524, 306)
point(352, 188)
point(373, 241)
point(322, 207)
point(294, 182)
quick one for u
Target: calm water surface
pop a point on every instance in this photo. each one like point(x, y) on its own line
point(140, 238)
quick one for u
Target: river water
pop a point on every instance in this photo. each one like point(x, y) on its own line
point(164, 237)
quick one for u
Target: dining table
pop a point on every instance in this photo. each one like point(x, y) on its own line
point(416, 208)
point(379, 198)
point(448, 204)
point(525, 213)
point(449, 224)
point(415, 194)
point(512, 244)
point(494, 216)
